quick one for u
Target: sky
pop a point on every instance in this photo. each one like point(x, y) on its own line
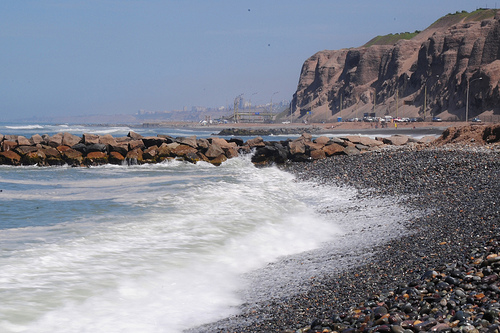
point(107, 57)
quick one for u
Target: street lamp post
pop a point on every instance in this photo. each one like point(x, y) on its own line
point(467, 102)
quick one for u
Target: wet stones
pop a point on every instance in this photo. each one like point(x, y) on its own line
point(134, 148)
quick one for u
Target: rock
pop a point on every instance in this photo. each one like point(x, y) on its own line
point(136, 144)
point(134, 136)
point(220, 142)
point(183, 150)
point(23, 150)
point(297, 147)
point(81, 147)
point(121, 148)
point(153, 141)
point(72, 157)
point(202, 143)
point(256, 142)
point(55, 140)
point(95, 158)
point(70, 139)
point(10, 158)
point(189, 141)
point(89, 139)
point(164, 151)
point(36, 139)
point(108, 140)
point(333, 149)
point(269, 154)
point(97, 147)
point(214, 151)
point(22, 141)
point(313, 146)
point(426, 139)
point(230, 152)
point(318, 154)
point(168, 138)
point(116, 158)
point(238, 141)
point(351, 150)
point(33, 158)
point(150, 153)
point(52, 156)
point(219, 160)
point(396, 140)
point(322, 140)
point(134, 157)
point(8, 145)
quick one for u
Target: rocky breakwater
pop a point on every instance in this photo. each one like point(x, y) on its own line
point(91, 150)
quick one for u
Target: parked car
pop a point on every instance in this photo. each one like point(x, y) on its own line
point(436, 119)
point(476, 120)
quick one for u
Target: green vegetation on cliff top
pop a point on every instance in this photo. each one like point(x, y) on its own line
point(445, 21)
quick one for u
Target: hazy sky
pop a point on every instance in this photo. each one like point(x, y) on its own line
point(119, 56)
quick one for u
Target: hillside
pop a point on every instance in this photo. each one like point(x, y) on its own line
point(418, 74)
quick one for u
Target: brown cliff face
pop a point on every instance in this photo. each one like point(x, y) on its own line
point(424, 76)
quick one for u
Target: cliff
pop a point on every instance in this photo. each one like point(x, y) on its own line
point(424, 76)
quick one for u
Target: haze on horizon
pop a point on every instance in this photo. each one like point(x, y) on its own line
point(70, 58)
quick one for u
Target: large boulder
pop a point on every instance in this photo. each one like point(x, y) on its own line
point(72, 157)
point(70, 139)
point(219, 160)
point(36, 139)
point(396, 140)
point(134, 156)
point(213, 151)
point(188, 141)
point(134, 135)
point(8, 145)
point(89, 139)
point(183, 150)
point(52, 156)
point(119, 147)
point(95, 158)
point(55, 140)
point(23, 141)
point(136, 144)
point(333, 149)
point(107, 139)
point(33, 158)
point(10, 158)
point(150, 153)
point(23, 150)
point(297, 147)
point(150, 141)
point(97, 147)
point(116, 158)
point(272, 153)
point(256, 142)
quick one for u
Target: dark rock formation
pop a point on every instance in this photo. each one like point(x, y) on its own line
point(424, 76)
point(89, 152)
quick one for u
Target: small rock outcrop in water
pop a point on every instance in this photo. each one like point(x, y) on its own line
point(91, 150)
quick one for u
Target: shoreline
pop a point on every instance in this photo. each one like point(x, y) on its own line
point(456, 186)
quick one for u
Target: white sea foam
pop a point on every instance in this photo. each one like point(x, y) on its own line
point(156, 248)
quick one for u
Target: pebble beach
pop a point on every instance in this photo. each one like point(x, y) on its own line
point(441, 276)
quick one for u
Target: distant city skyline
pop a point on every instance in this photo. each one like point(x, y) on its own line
point(71, 58)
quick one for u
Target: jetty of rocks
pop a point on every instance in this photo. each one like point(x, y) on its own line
point(92, 150)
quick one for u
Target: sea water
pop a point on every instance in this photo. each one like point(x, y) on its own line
point(170, 246)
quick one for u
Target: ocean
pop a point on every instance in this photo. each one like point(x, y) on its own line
point(170, 246)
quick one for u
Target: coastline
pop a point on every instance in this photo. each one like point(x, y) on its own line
point(456, 186)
